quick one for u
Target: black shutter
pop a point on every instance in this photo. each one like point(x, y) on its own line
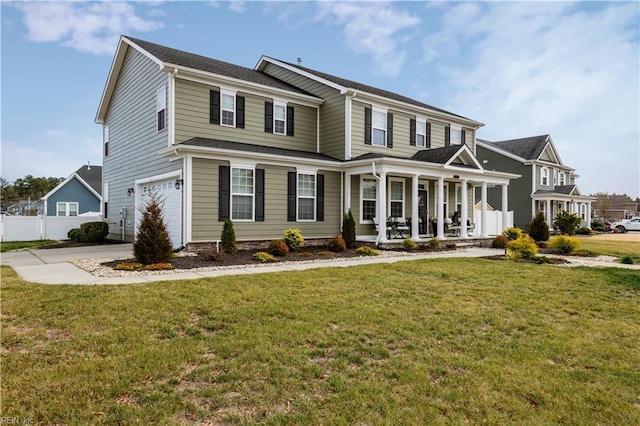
point(224, 193)
point(320, 198)
point(240, 112)
point(268, 117)
point(289, 121)
point(428, 136)
point(389, 130)
point(214, 107)
point(367, 126)
point(462, 137)
point(447, 136)
point(412, 132)
point(292, 194)
point(259, 195)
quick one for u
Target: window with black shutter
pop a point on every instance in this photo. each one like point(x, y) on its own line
point(214, 107)
point(412, 132)
point(224, 193)
point(268, 117)
point(367, 126)
point(447, 136)
point(240, 112)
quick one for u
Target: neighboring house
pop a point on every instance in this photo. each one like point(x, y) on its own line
point(78, 194)
point(546, 185)
point(275, 147)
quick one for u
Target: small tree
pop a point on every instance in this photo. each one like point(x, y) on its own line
point(539, 230)
point(349, 230)
point(152, 244)
point(567, 222)
point(228, 238)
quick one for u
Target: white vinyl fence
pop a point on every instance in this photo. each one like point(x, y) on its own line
point(494, 222)
point(31, 228)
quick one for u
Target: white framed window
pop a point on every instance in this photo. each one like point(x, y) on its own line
point(105, 138)
point(562, 178)
point(555, 177)
point(306, 197)
point(542, 208)
point(378, 127)
point(66, 209)
point(242, 194)
point(368, 198)
point(456, 133)
point(544, 176)
point(583, 211)
point(161, 108)
point(228, 108)
point(396, 198)
point(279, 117)
point(458, 192)
point(445, 200)
point(421, 133)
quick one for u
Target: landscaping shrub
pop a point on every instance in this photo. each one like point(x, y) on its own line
point(583, 230)
point(94, 232)
point(523, 247)
point(367, 251)
point(74, 234)
point(277, 248)
point(293, 238)
point(152, 244)
point(212, 255)
point(512, 233)
point(539, 229)
point(598, 225)
point(627, 259)
point(409, 244)
point(435, 244)
point(337, 244)
point(263, 257)
point(162, 266)
point(349, 230)
point(228, 238)
point(563, 244)
point(128, 266)
point(499, 242)
point(567, 222)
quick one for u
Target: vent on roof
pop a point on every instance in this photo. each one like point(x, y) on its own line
point(299, 61)
point(88, 165)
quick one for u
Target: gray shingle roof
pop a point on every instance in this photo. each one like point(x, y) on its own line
point(436, 155)
point(528, 148)
point(203, 63)
point(92, 175)
point(246, 147)
point(560, 189)
point(369, 89)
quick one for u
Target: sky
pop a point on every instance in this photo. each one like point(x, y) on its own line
point(568, 69)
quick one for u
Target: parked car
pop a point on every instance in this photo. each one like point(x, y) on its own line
point(632, 224)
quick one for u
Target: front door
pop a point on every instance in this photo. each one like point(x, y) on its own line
point(423, 211)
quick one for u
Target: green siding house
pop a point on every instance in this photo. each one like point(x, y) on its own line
point(546, 185)
point(278, 146)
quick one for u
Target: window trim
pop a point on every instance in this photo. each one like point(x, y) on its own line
point(161, 94)
point(375, 110)
point(446, 199)
point(314, 198)
point(562, 178)
point(67, 204)
point(458, 196)
point(233, 194)
point(283, 104)
point(232, 93)
point(455, 137)
point(402, 181)
point(105, 139)
point(362, 199)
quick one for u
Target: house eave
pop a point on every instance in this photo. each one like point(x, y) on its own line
point(67, 180)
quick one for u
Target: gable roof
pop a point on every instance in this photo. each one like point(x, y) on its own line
point(345, 85)
point(454, 155)
point(89, 176)
point(561, 189)
point(529, 148)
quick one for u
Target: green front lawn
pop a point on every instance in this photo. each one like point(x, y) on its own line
point(6, 246)
point(447, 341)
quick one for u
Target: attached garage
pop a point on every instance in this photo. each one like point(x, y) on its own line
point(170, 197)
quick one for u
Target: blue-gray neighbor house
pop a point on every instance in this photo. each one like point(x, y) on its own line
point(80, 193)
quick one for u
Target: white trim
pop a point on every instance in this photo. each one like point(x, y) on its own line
point(544, 169)
point(282, 104)
point(253, 194)
point(67, 204)
point(188, 197)
point(64, 182)
point(243, 164)
point(378, 110)
point(361, 198)
point(260, 65)
point(232, 93)
point(298, 196)
point(162, 89)
point(423, 121)
point(171, 108)
point(348, 105)
point(389, 200)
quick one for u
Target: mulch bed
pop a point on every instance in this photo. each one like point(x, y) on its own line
point(244, 257)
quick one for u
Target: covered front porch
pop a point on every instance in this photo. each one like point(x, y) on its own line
point(421, 198)
point(563, 198)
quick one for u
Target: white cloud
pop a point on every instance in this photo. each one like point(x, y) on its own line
point(237, 6)
point(559, 68)
point(375, 29)
point(87, 27)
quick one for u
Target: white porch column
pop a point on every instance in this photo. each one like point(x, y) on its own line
point(589, 214)
point(483, 216)
point(440, 209)
point(347, 192)
point(464, 214)
point(549, 214)
point(415, 232)
point(382, 207)
point(505, 206)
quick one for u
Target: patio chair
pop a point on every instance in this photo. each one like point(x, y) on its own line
point(376, 224)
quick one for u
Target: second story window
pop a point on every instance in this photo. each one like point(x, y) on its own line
point(279, 117)
point(544, 176)
point(562, 178)
point(379, 128)
point(421, 133)
point(105, 139)
point(161, 108)
point(228, 101)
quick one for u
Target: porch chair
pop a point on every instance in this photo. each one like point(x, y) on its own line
point(399, 226)
point(376, 224)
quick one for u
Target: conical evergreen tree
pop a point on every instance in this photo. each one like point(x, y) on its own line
point(539, 230)
point(349, 230)
point(152, 243)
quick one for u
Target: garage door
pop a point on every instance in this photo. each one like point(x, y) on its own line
point(171, 199)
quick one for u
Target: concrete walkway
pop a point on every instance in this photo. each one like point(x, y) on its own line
point(51, 266)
